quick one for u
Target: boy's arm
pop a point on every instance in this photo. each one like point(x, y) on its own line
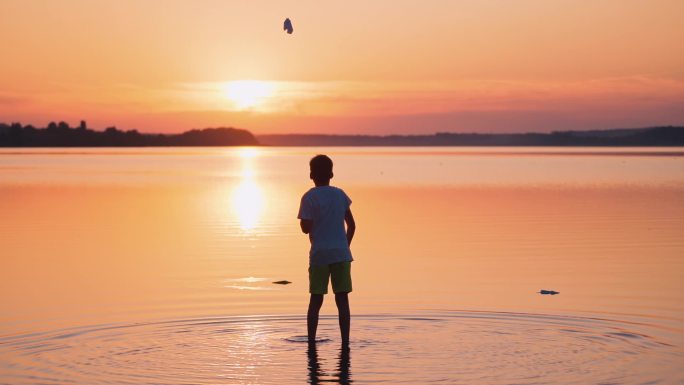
point(305, 215)
point(351, 225)
point(306, 224)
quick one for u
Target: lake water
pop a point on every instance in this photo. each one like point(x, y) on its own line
point(155, 266)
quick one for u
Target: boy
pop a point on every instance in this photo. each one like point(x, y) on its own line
point(323, 211)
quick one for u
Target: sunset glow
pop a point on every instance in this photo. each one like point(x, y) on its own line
point(462, 191)
point(248, 203)
point(350, 67)
point(246, 94)
point(248, 198)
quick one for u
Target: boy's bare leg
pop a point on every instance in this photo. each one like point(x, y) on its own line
point(312, 316)
point(342, 301)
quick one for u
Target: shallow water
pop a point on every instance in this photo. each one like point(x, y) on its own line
point(156, 266)
point(452, 347)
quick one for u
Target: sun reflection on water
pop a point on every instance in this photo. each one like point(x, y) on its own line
point(248, 197)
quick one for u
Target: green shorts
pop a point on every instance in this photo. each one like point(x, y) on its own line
point(339, 273)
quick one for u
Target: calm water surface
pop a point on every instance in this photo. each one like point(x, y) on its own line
point(154, 266)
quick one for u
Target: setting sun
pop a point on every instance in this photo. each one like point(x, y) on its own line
point(246, 94)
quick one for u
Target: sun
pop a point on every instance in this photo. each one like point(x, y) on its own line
point(248, 94)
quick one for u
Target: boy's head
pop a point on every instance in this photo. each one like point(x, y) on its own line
point(321, 169)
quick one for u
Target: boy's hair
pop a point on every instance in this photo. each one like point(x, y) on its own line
point(321, 167)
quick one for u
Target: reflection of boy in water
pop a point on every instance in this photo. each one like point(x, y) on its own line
point(323, 211)
point(318, 376)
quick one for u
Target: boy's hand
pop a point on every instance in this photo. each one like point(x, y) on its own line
point(306, 224)
point(351, 225)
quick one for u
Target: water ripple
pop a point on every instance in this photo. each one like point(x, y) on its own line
point(450, 347)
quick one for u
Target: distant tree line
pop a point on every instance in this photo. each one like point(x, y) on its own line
point(62, 135)
point(653, 136)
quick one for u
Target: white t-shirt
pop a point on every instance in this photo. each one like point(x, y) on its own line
point(325, 206)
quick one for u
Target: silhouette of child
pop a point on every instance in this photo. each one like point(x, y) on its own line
point(323, 212)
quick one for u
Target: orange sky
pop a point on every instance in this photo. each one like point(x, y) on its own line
point(350, 66)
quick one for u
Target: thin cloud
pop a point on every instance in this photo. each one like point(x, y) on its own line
point(373, 106)
point(13, 100)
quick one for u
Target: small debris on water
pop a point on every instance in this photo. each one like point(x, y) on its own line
point(551, 292)
point(282, 282)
